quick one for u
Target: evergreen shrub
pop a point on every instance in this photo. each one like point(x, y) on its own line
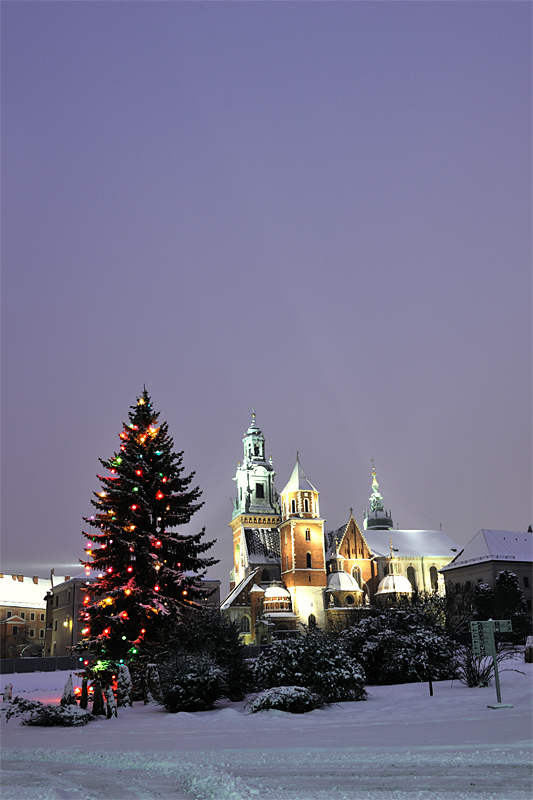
point(190, 684)
point(64, 716)
point(313, 661)
point(400, 646)
point(294, 699)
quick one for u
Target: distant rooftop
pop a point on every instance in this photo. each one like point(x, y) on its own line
point(25, 592)
point(489, 545)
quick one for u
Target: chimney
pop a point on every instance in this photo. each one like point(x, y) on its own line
point(35, 579)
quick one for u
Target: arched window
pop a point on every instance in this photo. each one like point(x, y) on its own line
point(245, 624)
point(311, 621)
point(309, 561)
point(356, 573)
point(411, 576)
point(306, 505)
point(349, 600)
point(293, 506)
point(433, 578)
point(308, 535)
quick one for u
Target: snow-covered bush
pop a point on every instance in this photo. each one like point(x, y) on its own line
point(124, 687)
point(198, 633)
point(294, 699)
point(19, 706)
point(313, 661)
point(400, 646)
point(69, 698)
point(98, 700)
point(64, 716)
point(152, 685)
point(190, 684)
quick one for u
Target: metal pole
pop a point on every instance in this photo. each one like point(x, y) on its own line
point(495, 661)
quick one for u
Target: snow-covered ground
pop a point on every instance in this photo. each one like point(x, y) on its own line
point(400, 744)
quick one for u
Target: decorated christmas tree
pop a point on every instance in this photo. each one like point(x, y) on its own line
point(147, 572)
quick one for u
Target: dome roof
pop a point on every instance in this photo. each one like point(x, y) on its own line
point(395, 583)
point(342, 582)
point(276, 591)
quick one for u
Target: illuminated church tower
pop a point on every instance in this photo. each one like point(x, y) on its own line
point(303, 563)
point(256, 512)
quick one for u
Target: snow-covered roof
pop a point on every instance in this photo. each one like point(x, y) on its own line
point(489, 545)
point(394, 583)
point(298, 480)
point(412, 544)
point(26, 593)
point(342, 582)
point(238, 589)
point(263, 542)
point(277, 590)
point(331, 538)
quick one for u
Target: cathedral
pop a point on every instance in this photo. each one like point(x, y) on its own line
point(289, 571)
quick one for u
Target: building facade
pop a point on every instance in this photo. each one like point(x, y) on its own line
point(491, 552)
point(289, 571)
point(22, 615)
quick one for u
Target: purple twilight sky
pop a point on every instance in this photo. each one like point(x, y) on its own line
point(320, 209)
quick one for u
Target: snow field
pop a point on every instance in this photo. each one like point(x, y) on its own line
point(400, 744)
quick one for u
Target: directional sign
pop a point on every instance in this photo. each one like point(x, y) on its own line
point(503, 625)
point(483, 645)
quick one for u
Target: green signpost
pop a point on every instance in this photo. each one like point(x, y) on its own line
point(483, 644)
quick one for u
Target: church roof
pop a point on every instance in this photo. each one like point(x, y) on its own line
point(235, 592)
point(331, 538)
point(411, 543)
point(298, 480)
point(394, 584)
point(489, 545)
point(342, 582)
point(263, 544)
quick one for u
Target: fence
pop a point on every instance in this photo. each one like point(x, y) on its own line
point(10, 666)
